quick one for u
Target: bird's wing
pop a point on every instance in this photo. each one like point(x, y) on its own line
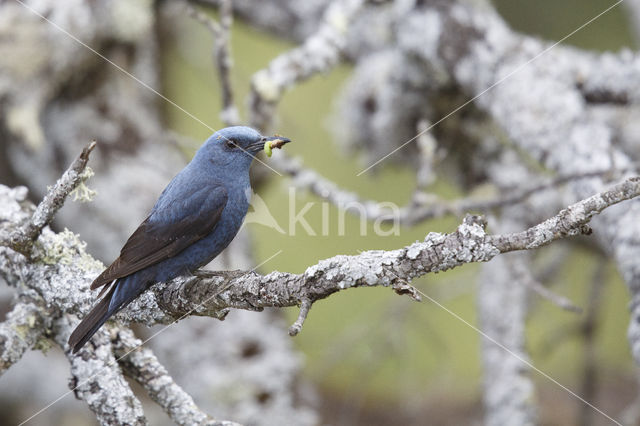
point(167, 231)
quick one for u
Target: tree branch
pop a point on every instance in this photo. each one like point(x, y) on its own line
point(221, 32)
point(24, 326)
point(22, 240)
point(468, 38)
point(416, 212)
point(570, 221)
point(142, 366)
point(320, 52)
point(305, 307)
point(509, 392)
point(212, 294)
point(97, 380)
point(522, 272)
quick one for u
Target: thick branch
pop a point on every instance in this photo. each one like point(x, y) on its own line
point(212, 294)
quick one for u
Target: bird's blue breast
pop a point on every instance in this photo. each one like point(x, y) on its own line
point(204, 250)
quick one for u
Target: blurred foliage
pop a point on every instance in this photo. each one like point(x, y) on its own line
point(367, 346)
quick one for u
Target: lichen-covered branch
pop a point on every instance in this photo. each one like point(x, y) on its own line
point(217, 292)
point(291, 20)
point(213, 294)
point(25, 324)
point(550, 121)
point(319, 53)
point(570, 221)
point(97, 380)
point(305, 307)
point(142, 366)
point(509, 395)
point(22, 240)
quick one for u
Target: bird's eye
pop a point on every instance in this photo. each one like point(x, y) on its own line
point(230, 144)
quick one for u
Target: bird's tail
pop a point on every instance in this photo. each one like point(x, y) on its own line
point(120, 295)
point(92, 322)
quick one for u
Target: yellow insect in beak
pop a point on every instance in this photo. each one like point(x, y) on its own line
point(274, 142)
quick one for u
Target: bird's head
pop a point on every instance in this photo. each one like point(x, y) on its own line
point(237, 146)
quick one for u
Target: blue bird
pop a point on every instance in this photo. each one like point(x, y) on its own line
point(195, 218)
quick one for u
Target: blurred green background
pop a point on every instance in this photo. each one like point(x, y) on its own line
point(368, 350)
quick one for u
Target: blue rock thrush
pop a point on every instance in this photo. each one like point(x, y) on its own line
point(195, 218)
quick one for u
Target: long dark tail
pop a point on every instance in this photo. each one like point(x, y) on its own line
point(92, 322)
point(123, 292)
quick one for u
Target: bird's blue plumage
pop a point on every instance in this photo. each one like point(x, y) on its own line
point(197, 215)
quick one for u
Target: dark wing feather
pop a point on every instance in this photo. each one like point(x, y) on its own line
point(166, 232)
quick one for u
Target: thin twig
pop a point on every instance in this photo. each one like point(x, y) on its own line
point(525, 277)
point(221, 32)
point(440, 208)
point(305, 307)
point(555, 298)
point(415, 212)
point(229, 114)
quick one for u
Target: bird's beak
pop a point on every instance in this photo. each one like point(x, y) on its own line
point(274, 142)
